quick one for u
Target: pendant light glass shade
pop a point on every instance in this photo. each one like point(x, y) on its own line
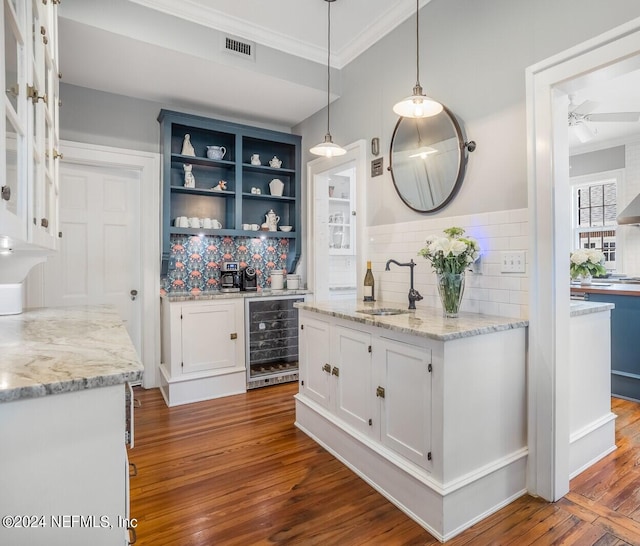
point(328, 148)
point(417, 105)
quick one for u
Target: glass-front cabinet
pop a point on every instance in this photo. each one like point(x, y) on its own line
point(342, 214)
point(30, 128)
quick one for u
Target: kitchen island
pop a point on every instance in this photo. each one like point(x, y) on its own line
point(430, 411)
point(63, 461)
point(592, 432)
point(625, 329)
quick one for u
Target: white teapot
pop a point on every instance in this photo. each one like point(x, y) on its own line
point(275, 162)
point(272, 220)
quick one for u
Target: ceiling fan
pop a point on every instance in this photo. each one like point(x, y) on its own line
point(580, 118)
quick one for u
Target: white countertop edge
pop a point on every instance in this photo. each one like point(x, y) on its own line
point(588, 307)
point(204, 296)
point(422, 322)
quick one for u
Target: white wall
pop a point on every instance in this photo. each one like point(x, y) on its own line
point(486, 291)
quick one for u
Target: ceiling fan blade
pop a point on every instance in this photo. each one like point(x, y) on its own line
point(585, 107)
point(615, 116)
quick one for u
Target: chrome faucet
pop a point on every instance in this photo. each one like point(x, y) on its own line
point(414, 295)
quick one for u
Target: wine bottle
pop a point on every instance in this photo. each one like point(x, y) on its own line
point(369, 284)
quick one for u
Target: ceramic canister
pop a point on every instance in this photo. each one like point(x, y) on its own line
point(277, 279)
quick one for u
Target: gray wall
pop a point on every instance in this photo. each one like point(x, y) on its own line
point(473, 59)
point(609, 159)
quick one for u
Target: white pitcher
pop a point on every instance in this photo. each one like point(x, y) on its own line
point(272, 220)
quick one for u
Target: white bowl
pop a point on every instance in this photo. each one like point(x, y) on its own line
point(286, 228)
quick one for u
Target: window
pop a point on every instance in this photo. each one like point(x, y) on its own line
point(595, 211)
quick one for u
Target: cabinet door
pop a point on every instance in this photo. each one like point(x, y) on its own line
point(314, 360)
point(210, 338)
point(351, 368)
point(405, 407)
point(13, 124)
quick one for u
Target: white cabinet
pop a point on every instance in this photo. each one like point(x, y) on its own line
point(403, 379)
point(428, 421)
point(351, 368)
point(30, 126)
point(71, 463)
point(342, 214)
point(315, 352)
point(377, 387)
point(202, 350)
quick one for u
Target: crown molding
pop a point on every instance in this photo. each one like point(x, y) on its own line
point(199, 13)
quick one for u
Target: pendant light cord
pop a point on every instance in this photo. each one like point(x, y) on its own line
point(328, 62)
point(417, 43)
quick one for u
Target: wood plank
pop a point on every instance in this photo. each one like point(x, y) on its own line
point(236, 471)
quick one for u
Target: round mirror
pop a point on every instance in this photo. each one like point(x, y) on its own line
point(427, 160)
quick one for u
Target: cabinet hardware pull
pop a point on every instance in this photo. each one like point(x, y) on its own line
point(380, 392)
point(43, 30)
point(60, 234)
point(326, 368)
point(133, 293)
point(32, 93)
point(335, 371)
point(234, 336)
point(133, 470)
point(57, 155)
point(44, 222)
point(45, 40)
point(6, 193)
point(44, 2)
point(55, 2)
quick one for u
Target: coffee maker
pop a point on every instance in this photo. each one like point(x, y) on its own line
point(230, 277)
point(248, 279)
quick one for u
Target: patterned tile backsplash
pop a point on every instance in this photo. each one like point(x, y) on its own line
point(197, 260)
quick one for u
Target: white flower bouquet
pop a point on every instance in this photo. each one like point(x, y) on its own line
point(587, 262)
point(451, 254)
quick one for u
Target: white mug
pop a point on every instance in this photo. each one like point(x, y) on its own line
point(215, 224)
point(181, 221)
point(194, 222)
point(255, 227)
point(206, 223)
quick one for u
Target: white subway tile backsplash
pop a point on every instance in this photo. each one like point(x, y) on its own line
point(491, 292)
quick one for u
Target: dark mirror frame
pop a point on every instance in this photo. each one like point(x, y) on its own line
point(463, 149)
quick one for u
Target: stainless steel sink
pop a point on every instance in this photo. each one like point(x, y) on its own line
point(383, 311)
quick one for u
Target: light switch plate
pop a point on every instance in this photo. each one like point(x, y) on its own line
point(513, 261)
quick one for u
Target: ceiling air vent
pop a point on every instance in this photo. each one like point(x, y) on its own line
point(241, 48)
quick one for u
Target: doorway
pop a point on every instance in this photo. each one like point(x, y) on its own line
point(98, 261)
point(118, 168)
point(335, 224)
point(549, 84)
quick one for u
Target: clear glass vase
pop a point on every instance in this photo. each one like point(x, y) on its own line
point(451, 289)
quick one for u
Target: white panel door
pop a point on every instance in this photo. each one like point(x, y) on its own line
point(99, 257)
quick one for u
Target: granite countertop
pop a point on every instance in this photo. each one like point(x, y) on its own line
point(607, 287)
point(426, 322)
point(57, 350)
point(588, 307)
point(218, 295)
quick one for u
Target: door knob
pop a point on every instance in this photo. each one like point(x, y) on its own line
point(133, 293)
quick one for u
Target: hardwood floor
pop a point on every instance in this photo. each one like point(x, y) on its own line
point(236, 471)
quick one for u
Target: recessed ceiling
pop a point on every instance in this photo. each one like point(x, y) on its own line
point(169, 51)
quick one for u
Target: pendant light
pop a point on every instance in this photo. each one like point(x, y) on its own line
point(417, 105)
point(328, 148)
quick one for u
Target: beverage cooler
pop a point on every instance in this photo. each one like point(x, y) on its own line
point(271, 340)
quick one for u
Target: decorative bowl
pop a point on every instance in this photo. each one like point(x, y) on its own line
point(286, 228)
